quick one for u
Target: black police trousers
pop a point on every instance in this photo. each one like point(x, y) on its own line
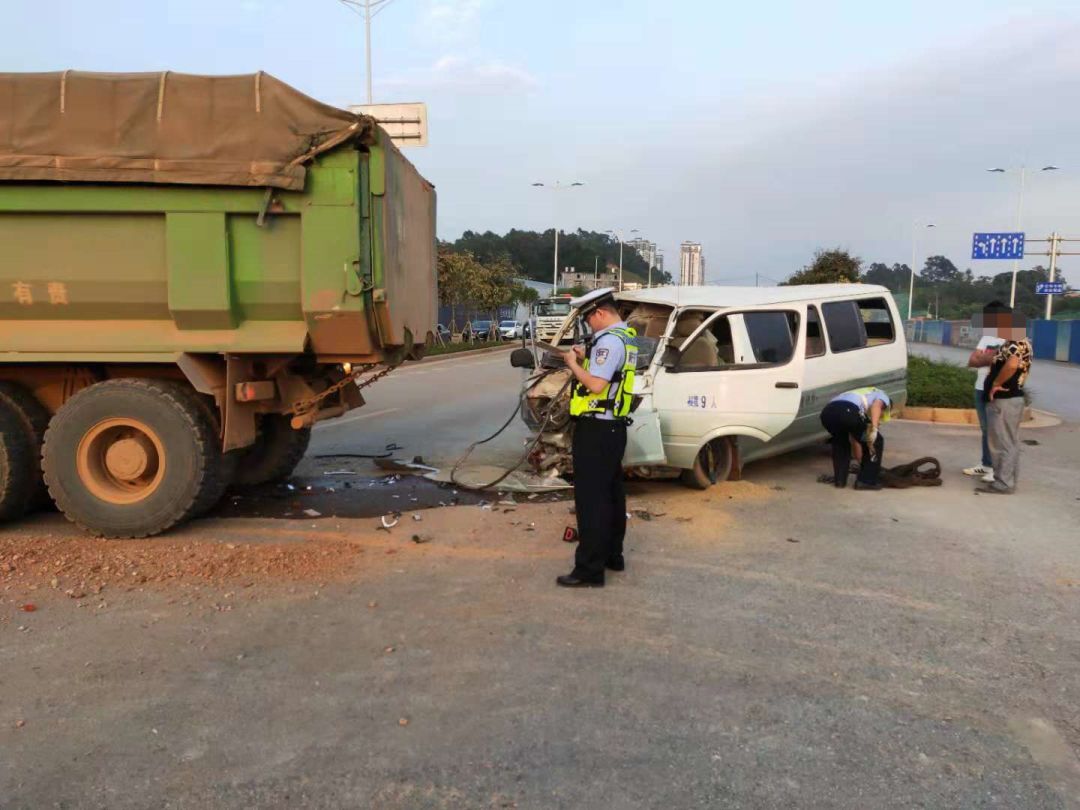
point(845, 421)
point(599, 496)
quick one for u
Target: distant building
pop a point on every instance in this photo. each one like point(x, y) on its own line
point(691, 265)
point(588, 281)
point(645, 249)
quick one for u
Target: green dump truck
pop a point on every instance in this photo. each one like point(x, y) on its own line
point(193, 271)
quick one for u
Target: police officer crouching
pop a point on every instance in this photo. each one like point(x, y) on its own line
point(600, 407)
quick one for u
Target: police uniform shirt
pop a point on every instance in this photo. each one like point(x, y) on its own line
point(607, 358)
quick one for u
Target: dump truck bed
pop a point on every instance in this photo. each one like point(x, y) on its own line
point(317, 236)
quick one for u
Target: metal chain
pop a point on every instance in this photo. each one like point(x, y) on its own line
point(303, 406)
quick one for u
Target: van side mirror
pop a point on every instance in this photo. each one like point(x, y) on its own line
point(522, 358)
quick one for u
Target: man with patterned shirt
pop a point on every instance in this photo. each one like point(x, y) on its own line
point(1004, 396)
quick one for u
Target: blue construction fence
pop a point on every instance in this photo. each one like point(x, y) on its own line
point(1052, 340)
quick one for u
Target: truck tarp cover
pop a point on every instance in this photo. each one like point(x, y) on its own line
point(168, 127)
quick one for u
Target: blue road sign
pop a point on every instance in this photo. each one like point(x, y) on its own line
point(997, 246)
point(1049, 287)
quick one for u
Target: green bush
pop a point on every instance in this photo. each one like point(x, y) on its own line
point(939, 385)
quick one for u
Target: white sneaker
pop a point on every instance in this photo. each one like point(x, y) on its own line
point(979, 470)
point(989, 477)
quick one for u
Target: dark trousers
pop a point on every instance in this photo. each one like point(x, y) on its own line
point(845, 422)
point(599, 497)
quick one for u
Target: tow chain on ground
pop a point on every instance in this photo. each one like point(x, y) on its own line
point(513, 415)
point(308, 404)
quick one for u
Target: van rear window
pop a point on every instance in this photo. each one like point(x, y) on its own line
point(844, 324)
point(877, 320)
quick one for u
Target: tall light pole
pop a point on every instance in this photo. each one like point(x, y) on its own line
point(366, 9)
point(1019, 216)
point(618, 235)
point(914, 239)
point(557, 186)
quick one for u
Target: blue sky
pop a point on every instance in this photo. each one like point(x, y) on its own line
point(762, 130)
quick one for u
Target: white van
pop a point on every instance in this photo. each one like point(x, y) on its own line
point(727, 375)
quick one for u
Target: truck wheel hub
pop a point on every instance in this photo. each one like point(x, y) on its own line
point(127, 459)
point(121, 460)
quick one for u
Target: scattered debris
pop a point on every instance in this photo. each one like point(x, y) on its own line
point(20, 723)
point(312, 513)
point(404, 721)
point(420, 538)
point(645, 514)
point(388, 650)
point(372, 604)
point(417, 517)
point(792, 540)
point(406, 467)
point(340, 472)
point(389, 451)
point(1030, 442)
point(28, 608)
point(389, 524)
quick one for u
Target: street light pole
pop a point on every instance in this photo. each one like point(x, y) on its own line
point(367, 46)
point(618, 235)
point(1019, 217)
point(911, 287)
point(557, 186)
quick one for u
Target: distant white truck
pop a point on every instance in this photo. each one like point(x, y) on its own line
point(547, 318)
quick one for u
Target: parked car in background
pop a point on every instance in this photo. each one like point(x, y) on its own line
point(509, 330)
point(481, 330)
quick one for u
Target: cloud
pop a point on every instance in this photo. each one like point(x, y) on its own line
point(467, 74)
point(853, 162)
point(452, 20)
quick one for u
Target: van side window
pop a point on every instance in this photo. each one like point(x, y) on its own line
point(877, 321)
point(712, 349)
point(772, 341)
point(771, 335)
point(845, 325)
point(815, 338)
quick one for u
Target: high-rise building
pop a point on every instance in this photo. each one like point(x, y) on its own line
point(691, 265)
point(645, 249)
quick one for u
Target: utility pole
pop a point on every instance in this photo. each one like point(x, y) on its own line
point(367, 9)
point(1054, 239)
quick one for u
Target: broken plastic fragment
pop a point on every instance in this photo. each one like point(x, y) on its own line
point(389, 524)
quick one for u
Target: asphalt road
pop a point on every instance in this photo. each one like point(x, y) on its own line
point(1054, 386)
point(434, 410)
point(775, 643)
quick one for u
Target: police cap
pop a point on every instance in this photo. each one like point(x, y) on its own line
point(590, 301)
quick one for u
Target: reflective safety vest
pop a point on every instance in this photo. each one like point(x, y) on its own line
point(617, 394)
point(864, 393)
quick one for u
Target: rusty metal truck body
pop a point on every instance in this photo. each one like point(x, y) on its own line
point(228, 279)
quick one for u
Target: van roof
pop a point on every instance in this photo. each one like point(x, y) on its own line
point(721, 296)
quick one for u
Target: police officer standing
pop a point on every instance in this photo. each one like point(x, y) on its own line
point(600, 407)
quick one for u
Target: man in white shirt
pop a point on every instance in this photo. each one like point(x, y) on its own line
point(981, 359)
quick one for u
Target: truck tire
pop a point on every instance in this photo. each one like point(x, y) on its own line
point(713, 463)
point(275, 455)
point(35, 419)
point(131, 457)
point(228, 463)
point(16, 457)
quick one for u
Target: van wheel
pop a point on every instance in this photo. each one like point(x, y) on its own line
point(713, 463)
point(130, 457)
point(16, 457)
point(35, 420)
point(276, 453)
